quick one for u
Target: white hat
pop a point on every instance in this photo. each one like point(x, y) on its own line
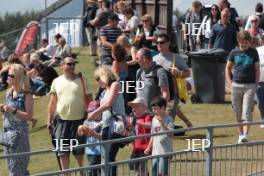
point(138, 100)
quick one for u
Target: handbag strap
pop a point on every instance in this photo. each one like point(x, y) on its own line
point(83, 88)
point(174, 61)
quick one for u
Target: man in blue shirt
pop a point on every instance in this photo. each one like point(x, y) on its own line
point(223, 34)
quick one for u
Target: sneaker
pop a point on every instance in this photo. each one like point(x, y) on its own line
point(244, 139)
point(241, 136)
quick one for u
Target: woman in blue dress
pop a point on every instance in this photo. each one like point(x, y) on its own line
point(18, 109)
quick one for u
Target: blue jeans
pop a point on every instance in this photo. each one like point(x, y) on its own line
point(94, 160)
point(113, 149)
point(39, 87)
point(260, 96)
point(160, 166)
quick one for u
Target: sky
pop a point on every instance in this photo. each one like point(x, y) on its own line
point(244, 7)
point(22, 5)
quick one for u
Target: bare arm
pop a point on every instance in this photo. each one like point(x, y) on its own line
point(114, 89)
point(95, 134)
point(144, 125)
point(115, 68)
point(134, 57)
point(105, 43)
point(148, 149)
point(25, 115)
point(95, 21)
point(180, 73)
point(5, 69)
point(153, 38)
point(165, 92)
point(51, 108)
point(228, 72)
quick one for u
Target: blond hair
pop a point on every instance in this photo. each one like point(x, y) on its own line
point(34, 57)
point(254, 17)
point(21, 76)
point(149, 18)
point(123, 40)
point(105, 73)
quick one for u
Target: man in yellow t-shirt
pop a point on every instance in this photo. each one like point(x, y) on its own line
point(67, 107)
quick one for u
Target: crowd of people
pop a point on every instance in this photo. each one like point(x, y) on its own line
point(136, 76)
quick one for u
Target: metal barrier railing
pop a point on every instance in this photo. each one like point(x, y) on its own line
point(229, 159)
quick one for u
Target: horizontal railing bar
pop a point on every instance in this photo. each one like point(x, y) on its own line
point(131, 138)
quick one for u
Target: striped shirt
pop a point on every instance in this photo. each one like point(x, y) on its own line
point(111, 34)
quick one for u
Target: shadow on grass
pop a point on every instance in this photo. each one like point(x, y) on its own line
point(37, 129)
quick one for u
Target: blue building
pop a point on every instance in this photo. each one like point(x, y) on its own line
point(64, 17)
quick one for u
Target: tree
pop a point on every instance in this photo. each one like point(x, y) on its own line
point(12, 25)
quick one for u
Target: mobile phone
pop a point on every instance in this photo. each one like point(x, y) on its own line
point(140, 28)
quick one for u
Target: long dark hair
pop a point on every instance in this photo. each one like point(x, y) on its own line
point(218, 15)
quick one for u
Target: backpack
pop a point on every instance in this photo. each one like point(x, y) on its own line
point(89, 15)
point(169, 76)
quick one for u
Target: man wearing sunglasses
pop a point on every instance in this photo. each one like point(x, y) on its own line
point(66, 112)
point(165, 59)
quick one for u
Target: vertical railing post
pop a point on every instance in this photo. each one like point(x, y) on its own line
point(47, 28)
point(209, 152)
point(105, 159)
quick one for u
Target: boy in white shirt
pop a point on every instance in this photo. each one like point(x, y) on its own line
point(160, 144)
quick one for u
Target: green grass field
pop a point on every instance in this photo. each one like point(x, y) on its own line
point(199, 114)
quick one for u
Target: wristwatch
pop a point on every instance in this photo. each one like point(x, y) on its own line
point(14, 112)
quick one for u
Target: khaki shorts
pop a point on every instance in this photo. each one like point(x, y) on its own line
point(242, 97)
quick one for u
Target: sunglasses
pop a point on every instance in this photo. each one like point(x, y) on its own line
point(160, 42)
point(214, 9)
point(71, 63)
point(97, 78)
point(144, 21)
point(11, 76)
point(254, 21)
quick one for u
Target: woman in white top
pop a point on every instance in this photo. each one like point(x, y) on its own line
point(132, 24)
point(207, 23)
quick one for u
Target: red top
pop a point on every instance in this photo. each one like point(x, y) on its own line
point(139, 145)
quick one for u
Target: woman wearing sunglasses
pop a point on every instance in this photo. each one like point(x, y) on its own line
point(207, 24)
point(111, 103)
point(17, 109)
point(147, 33)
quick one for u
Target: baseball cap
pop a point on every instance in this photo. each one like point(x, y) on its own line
point(138, 100)
point(114, 16)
